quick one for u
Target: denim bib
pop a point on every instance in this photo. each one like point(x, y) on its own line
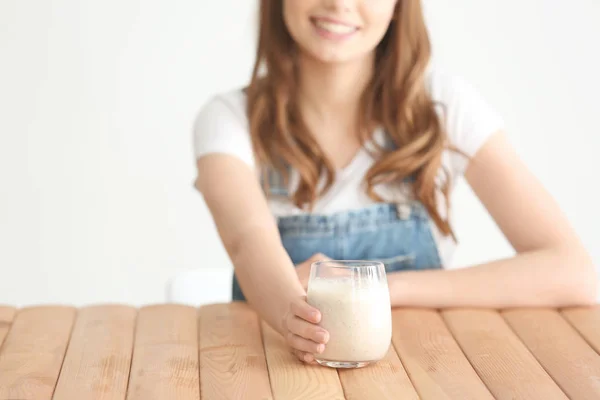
point(398, 235)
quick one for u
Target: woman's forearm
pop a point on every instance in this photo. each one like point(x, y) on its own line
point(266, 276)
point(547, 277)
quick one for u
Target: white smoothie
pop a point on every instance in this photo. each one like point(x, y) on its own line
point(358, 318)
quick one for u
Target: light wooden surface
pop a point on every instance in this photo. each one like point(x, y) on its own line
point(7, 314)
point(33, 352)
point(98, 359)
point(165, 354)
point(385, 380)
point(502, 361)
point(435, 363)
point(232, 356)
point(224, 352)
point(291, 380)
point(587, 322)
point(573, 364)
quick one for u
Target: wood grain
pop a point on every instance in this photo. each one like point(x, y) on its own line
point(502, 361)
point(232, 356)
point(97, 362)
point(165, 355)
point(383, 380)
point(565, 355)
point(7, 314)
point(587, 323)
point(33, 352)
point(435, 364)
point(293, 380)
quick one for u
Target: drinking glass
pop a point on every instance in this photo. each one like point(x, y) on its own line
point(354, 301)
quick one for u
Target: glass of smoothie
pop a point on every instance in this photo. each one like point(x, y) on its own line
point(354, 301)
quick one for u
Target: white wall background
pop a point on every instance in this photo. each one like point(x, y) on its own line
point(97, 101)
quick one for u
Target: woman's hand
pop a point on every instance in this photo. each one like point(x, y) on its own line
point(303, 269)
point(301, 332)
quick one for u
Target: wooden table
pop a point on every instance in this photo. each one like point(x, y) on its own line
point(225, 352)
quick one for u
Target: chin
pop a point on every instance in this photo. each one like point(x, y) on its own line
point(331, 56)
point(331, 59)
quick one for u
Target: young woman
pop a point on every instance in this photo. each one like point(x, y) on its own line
point(346, 144)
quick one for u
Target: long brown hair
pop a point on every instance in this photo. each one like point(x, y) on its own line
point(396, 99)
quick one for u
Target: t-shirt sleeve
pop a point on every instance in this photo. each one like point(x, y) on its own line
point(468, 118)
point(221, 127)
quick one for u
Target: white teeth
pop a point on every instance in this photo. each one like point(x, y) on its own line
point(334, 28)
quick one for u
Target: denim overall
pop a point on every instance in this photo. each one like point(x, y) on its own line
point(398, 235)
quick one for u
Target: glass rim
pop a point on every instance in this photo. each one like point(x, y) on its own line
point(348, 264)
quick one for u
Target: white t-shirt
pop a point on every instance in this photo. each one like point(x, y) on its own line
point(222, 127)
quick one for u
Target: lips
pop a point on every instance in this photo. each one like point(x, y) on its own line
point(334, 27)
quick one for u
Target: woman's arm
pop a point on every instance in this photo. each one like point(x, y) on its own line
point(249, 233)
point(551, 268)
point(264, 270)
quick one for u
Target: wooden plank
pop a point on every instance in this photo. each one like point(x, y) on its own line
point(97, 362)
point(33, 352)
point(165, 354)
point(293, 380)
point(565, 355)
point(587, 322)
point(435, 364)
point(502, 361)
point(232, 357)
point(383, 380)
point(7, 314)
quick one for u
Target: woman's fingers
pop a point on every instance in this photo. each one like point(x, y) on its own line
point(303, 335)
point(307, 330)
point(303, 310)
point(304, 283)
point(305, 345)
point(318, 257)
point(304, 357)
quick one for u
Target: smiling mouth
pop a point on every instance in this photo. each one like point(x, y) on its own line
point(333, 27)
